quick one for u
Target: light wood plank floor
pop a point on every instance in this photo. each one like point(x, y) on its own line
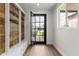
point(41, 50)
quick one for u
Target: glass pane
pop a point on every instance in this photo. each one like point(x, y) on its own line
point(37, 38)
point(41, 25)
point(72, 19)
point(42, 19)
point(2, 28)
point(62, 16)
point(33, 34)
point(33, 19)
point(33, 25)
point(37, 18)
point(33, 38)
point(38, 29)
point(41, 38)
point(37, 25)
point(72, 10)
point(41, 33)
point(37, 35)
point(62, 19)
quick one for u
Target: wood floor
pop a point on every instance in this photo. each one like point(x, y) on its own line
point(41, 50)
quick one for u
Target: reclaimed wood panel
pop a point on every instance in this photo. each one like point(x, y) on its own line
point(2, 28)
point(22, 26)
point(14, 25)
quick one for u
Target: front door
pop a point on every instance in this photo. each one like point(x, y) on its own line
point(39, 29)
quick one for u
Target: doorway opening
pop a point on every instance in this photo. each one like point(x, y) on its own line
point(38, 32)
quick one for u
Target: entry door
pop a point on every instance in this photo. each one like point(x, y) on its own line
point(39, 28)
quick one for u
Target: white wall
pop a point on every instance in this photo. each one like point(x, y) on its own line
point(27, 28)
point(50, 28)
point(66, 40)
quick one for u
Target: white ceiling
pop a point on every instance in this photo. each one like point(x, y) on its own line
point(34, 7)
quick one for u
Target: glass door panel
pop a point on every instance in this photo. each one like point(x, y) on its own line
point(33, 19)
point(38, 28)
point(33, 25)
point(41, 35)
point(41, 25)
point(37, 19)
point(41, 38)
point(42, 19)
point(33, 34)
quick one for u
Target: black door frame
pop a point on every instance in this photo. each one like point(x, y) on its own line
point(45, 29)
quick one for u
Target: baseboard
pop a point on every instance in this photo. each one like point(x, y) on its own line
point(55, 49)
point(26, 49)
point(59, 51)
point(16, 50)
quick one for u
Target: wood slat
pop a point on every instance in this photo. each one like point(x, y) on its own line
point(14, 21)
point(14, 10)
point(2, 28)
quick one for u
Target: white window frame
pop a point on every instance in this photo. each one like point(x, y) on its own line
point(66, 19)
point(58, 18)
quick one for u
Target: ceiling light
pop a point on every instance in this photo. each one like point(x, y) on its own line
point(37, 4)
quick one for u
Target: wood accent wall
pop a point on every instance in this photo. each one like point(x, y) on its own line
point(2, 28)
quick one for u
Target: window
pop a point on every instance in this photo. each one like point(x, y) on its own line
point(72, 14)
point(62, 16)
point(68, 15)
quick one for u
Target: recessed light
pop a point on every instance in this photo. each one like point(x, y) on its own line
point(37, 4)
